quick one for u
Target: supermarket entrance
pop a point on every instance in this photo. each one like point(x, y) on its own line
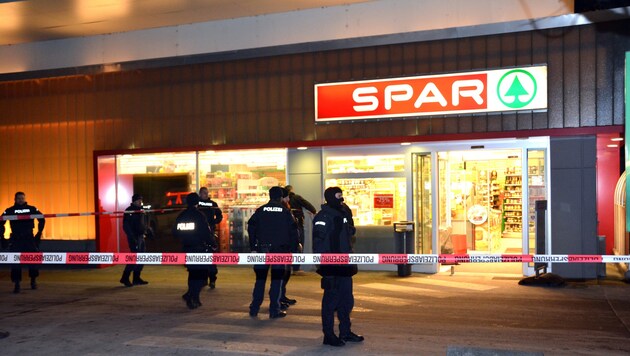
point(484, 203)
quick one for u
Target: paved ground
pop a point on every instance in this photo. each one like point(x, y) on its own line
point(88, 312)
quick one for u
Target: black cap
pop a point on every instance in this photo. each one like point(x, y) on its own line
point(136, 197)
point(275, 193)
point(192, 199)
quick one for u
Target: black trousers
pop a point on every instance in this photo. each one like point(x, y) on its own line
point(136, 269)
point(212, 273)
point(16, 272)
point(25, 243)
point(277, 274)
point(197, 276)
point(337, 297)
point(285, 280)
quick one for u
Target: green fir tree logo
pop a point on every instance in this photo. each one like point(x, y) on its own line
point(516, 96)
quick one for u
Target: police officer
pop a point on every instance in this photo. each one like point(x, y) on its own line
point(271, 229)
point(191, 227)
point(297, 203)
point(22, 238)
point(135, 227)
point(333, 229)
point(214, 216)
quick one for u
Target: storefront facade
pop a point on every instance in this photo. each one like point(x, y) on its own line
point(453, 164)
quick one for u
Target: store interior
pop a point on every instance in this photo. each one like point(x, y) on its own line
point(481, 200)
point(482, 194)
point(238, 181)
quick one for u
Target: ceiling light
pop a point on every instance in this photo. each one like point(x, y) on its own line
point(302, 148)
point(617, 139)
point(405, 143)
point(612, 146)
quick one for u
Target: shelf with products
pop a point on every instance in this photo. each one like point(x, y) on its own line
point(513, 201)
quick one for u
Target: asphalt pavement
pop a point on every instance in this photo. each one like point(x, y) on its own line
point(87, 312)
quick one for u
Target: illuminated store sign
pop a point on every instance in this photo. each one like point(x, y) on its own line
point(471, 92)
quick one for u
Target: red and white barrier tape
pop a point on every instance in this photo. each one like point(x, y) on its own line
point(65, 215)
point(287, 258)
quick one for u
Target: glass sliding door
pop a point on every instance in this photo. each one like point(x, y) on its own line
point(422, 201)
point(536, 190)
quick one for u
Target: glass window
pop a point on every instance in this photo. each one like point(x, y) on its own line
point(239, 182)
point(536, 183)
point(374, 201)
point(365, 164)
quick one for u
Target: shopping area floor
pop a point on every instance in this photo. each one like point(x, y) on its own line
point(86, 311)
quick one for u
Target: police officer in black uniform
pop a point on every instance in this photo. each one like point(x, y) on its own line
point(271, 229)
point(135, 227)
point(191, 227)
point(22, 238)
point(333, 229)
point(214, 216)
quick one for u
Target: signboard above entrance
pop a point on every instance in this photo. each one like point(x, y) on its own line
point(456, 93)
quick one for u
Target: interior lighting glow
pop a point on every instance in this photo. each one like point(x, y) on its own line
point(405, 143)
point(302, 148)
point(101, 10)
point(11, 15)
point(612, 146)
point(617, 139)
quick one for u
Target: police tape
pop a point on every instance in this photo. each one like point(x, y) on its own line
point(116, 214)
point(105, 258)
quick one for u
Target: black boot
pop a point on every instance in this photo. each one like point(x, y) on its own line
point(33, 283)
point(333, 340)
point(139, 282)
point(125, 279)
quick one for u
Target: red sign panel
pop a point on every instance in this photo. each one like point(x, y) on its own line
point(401, 97)
point(383, 201)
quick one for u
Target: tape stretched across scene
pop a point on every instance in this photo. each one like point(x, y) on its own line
point(105, 258)
point(116, 214)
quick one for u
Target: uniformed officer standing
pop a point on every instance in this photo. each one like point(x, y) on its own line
point(191, 227)
point(333, 229)
point(213, 214)
point(271, 230)
point(22, 238)
point(135, 227)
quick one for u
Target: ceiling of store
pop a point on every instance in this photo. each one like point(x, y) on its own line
point(40, 20)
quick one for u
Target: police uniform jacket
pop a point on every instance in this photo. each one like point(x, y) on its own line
point(191, 228)
point(22, 238)
point(272, 228)
point(332, 233)
point(134, 225)
point(212, 212)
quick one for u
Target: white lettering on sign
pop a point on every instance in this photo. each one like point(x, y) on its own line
point(186, 226)
point(360, 97)
point(22, 211)
point(510, 89)
point(436, 96)
point(366, 100)
point(272, 209)
point(405, 92)
point(475, 93)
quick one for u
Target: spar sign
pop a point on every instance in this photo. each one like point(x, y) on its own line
point(456, 93)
